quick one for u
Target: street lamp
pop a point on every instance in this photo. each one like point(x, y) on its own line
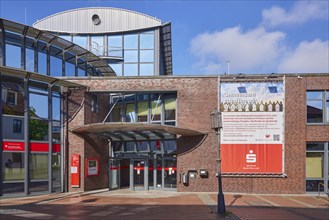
point(216, 124)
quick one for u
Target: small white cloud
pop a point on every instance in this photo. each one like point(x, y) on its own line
point(301, 12)
point(247, 51)
point(308, 57)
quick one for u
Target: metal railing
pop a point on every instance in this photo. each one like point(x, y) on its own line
point(323, 189)
point(106, 51)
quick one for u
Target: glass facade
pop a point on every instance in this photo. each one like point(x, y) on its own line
point(128, 54)
point(156, 108)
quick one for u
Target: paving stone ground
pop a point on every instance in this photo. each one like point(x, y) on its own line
point(126, 205)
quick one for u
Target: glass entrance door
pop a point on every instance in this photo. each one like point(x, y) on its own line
point(114, 174)
point(169, 172)
point(138, 174)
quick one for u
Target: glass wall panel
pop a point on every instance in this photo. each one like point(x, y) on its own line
point(56, 132)
point(55, 66)
point(146, 56)
point(13, 127)
point(13, 172)
point(12, 96)
point(56, 169)
point(156, 107)
point(142, 145)
point(69, 69)
point(38, 130)
point(13, 166)
point(170, 107)
point(117, 67)
point(147, 40)
point(29, 60)
point(56, 108)
point(38, 105)
point(130, 146)
point(42, 63)
point(38, 172)
point(131, 56)
point(81, 72)
point(315, 146)
point(97, 45)
point(146, 69)
point(155, 145)
point(314, 95)
point(142, 111)
point(130, 70)
point(80, 40)
point(131, 41)
point(314, 111)
point(115, 46)
point(13, 56)
point(130, 112)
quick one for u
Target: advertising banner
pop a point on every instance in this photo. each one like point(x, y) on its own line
point(253, 127)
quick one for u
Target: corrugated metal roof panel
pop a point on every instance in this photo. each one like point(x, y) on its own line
point(111, 20)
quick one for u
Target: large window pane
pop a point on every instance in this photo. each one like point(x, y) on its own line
point(170, 108)
point(131, 41)
point(130, 112)
point(56, 169)
point(115, 46)
point(131, 56)
point(38, 105)
point(315, 146)
point(117, 67)
point(56, 108)
point(80, 40)
point(147, 40)
point(142, 111)
point(38, 172)
point(38, 130)
point(12, 96)
point(13, 166)
point(314, 112)
point(312, 185)
point(97, 45)
point(155, 107)
point(42, 63)
point(146, 56)
point(314, 165)
point(130, 70)
point(13, 56)
point(29, 60)
point(13, 127)
point(314, 95)
point(55, 66)
point(147, 69)
point(327, 111)
point(69, 69)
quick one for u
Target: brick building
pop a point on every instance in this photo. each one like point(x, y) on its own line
point(95, 106)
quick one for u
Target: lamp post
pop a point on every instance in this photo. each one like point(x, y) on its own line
point(216, 124)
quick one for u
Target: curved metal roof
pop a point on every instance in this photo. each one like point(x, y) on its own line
point(51, 39)
point(120, 131)
point(110, 20)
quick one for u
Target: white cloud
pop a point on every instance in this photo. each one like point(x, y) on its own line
point(301, 12)
point(247, 51)
point(308, 57)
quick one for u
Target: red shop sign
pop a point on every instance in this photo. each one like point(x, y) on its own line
point(12, 146)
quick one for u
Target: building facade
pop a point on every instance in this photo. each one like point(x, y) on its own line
point(91, 103)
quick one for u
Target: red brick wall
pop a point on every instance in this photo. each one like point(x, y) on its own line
point(196, 99)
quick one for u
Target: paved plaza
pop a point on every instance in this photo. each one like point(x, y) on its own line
point(125, 204)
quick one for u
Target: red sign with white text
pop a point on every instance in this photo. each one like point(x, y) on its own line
point(251, 158)
point(12, 146)
point(75, 170)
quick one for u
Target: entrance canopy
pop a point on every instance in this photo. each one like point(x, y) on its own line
point(134, 131)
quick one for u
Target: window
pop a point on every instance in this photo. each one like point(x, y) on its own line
point(317, 106)
point(13, 56)
point(317, 175)
point(94, 104)
point(11, 98)
point(17, 126)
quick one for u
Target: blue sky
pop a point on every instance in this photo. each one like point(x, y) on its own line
point(254, 36)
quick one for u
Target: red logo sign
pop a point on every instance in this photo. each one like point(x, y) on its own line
point(12, 146)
